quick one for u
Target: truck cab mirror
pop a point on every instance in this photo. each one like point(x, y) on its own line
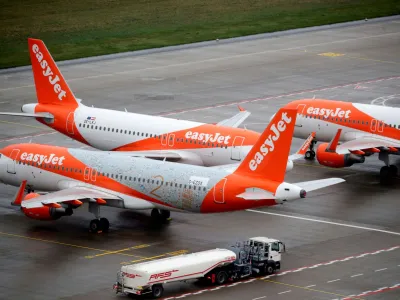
point(281, 247)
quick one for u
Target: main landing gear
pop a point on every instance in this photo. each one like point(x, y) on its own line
point(160, 215)
point(310, 154)
point(389, 172)
point(99, 224)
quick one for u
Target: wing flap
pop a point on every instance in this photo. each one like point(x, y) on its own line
point(66, 195)
point(365, 143)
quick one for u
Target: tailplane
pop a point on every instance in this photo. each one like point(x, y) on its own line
point(268, 157)
point(51, 87)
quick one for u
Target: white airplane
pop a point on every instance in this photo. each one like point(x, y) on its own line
point(74, 176)
point(142, 135)
point(349, 132)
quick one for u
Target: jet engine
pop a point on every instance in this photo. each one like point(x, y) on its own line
point(335, 160)
point(45, 213)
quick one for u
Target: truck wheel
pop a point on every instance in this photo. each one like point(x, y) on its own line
point(269, 269)
point(221, 277)
point(157, 290)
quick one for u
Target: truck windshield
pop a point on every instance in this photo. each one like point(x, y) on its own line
point(275, 246)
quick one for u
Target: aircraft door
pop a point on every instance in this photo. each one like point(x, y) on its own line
point(164, 138)
point(300, 109)
point(12, 162)
point(70, 123)
point(373, 125)
point(236, 148)
point(171, 139)
point(219, 189)
point(381, 124)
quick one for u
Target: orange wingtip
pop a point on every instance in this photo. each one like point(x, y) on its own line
point(241, 108)
point(54, 205)
point(393, 149)
point(101, 201)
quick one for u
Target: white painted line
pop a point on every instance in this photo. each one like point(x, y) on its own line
point(333, 280)
point(381, 270)
point(4, 102)
point(284, 292)
point(325, 222)
point(259, 298)
point(357, 275)
point(309, 286)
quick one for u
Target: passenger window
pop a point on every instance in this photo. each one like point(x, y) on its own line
point(142, 134)
point(80, 124)
point(100, 128)
point(95, 128)
point(129, 132)
point(126, 131)
point(126, 177)
point(180, 186)
point(92, 126)
point(116, 130)
point(194, 187)
point(112, 130)
point(147, 134)
point(133, 132)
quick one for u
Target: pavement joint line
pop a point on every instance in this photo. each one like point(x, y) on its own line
point(308, 289)
point(325, 222)
point(239, 102)
point(56, 242)
point(224, 58)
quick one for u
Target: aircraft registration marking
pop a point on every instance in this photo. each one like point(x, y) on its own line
point(198, 181)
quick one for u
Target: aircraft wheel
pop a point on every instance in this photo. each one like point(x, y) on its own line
point(393, 170)
point(95, 226)
point(165, 214)
point(155, 214)
point(104, 224)
point(310, 154)
point(386, 175)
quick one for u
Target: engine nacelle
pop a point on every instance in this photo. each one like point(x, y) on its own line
point(44, 213)
point(335, 160)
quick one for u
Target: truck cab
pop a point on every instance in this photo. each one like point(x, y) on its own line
point(266, 253)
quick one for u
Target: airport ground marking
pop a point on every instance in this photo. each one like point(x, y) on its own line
point(380, 270)
point(334, 280)
point(304, 288)
point(323, 221)
point(236, 56)
point(368, 293)
point(356, 275)
point(59, 243)
point(118, 251)
point(258, 298)
point(174, 253)
point(282, 273)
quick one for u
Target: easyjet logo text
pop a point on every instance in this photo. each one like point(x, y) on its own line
point(207, 137)
point(326, 112)
point(162, 275)
point(269, 143)
point(43, 159)
point(47, 72)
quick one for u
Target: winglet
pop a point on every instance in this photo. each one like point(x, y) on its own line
point(20, 194)
point(241, 108)
point(334, 142)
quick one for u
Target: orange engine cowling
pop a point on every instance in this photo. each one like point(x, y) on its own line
point(44, 213)
point(335, 160)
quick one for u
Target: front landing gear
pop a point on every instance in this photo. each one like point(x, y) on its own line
point(99, 224)
point(310, 154)
point(160, 215)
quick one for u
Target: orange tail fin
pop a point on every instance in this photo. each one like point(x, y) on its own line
point(51, 87)
point(268, 157)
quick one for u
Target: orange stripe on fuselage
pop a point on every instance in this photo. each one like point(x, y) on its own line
point(342, 114)
point(62, 159)
point(203, 136)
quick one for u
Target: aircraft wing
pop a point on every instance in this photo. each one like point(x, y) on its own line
point(366, 143)
point(303, 149)
point(309, 186)
point(74, 193)
point(37, 115)
point(236, 120)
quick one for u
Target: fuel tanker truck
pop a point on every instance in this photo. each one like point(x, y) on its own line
point(256, 256)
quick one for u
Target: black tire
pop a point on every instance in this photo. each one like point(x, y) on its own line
point(385, 175)
point(221, 277)
point(310, 154)
point(157, 290)
point(155, 214)
point(165, 214)
point(94, 226)
point(393, 170)
point(269, 269)
point(104, 224)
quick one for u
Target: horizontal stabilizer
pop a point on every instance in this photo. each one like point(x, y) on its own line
point(36, 115)
point(236, 120)
point(313, 185)
point(256, 194)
